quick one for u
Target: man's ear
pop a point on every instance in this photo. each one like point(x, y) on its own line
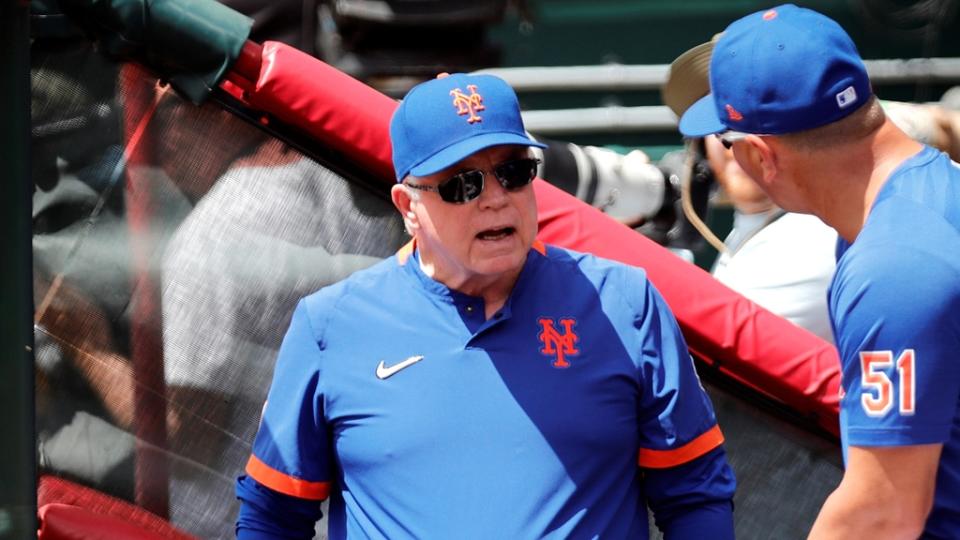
point(400, 195)
point(758, 159)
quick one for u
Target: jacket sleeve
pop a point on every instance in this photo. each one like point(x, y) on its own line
point(267, 514)
point(695, 499)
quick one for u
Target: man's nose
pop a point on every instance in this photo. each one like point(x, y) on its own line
point(493, 195)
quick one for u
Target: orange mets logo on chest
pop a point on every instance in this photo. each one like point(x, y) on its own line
point(468, 104)
point(556, 344)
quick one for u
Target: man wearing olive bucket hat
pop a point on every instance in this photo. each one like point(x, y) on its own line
point(783, 261)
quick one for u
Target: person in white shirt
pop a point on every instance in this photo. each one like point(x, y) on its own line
point(780, 260)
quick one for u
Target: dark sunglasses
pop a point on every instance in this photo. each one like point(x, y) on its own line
point(468, 185)
point(727, 138)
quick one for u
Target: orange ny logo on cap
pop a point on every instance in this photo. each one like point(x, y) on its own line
point(468, 104)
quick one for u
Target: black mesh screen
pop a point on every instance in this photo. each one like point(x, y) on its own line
point(784, 472)
point(171, 243)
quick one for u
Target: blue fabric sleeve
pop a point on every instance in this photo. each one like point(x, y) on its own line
point(292, 442)
point(693, 500)
point(896, 325)
point(674, 410)
point(267, 514)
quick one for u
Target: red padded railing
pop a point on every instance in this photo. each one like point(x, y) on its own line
point(70, 511)
point(743, 340)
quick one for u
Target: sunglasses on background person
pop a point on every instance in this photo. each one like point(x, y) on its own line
point(468, 185)
point(727, 138)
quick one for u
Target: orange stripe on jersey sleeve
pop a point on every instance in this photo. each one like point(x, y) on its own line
point(662, 459)
point(539, 247)
point(278, 481)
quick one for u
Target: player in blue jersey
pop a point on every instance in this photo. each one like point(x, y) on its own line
point(480, 384)
point(791, 95)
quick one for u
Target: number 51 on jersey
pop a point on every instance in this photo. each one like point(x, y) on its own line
point(877, 396)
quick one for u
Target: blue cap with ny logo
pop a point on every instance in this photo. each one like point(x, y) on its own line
point(445, 120)
point(782, 70)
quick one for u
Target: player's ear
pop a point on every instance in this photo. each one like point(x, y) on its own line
point(403, 201)
point(757, 158)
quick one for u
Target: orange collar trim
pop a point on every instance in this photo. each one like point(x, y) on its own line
point(406, 251)
point(539, 247)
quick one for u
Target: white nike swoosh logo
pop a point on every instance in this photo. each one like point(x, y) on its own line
point(383, 371)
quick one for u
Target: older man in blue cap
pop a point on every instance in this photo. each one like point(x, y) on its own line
point(480, 384)
point(791, 96)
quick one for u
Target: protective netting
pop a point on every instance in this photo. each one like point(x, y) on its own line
point(175, 236)
point(784, 472)
point(171, 243)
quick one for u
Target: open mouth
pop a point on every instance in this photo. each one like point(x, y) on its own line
point(496, 234)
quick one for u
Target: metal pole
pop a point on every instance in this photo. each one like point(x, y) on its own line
point(18, 487)
point(619, 77)
point(152, 467)
point(613, 119)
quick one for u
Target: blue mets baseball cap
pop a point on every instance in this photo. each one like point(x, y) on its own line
point(782, 70)
point(444, 120)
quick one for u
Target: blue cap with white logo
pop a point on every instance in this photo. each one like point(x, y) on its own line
point(782, 70)
point(445, 120)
